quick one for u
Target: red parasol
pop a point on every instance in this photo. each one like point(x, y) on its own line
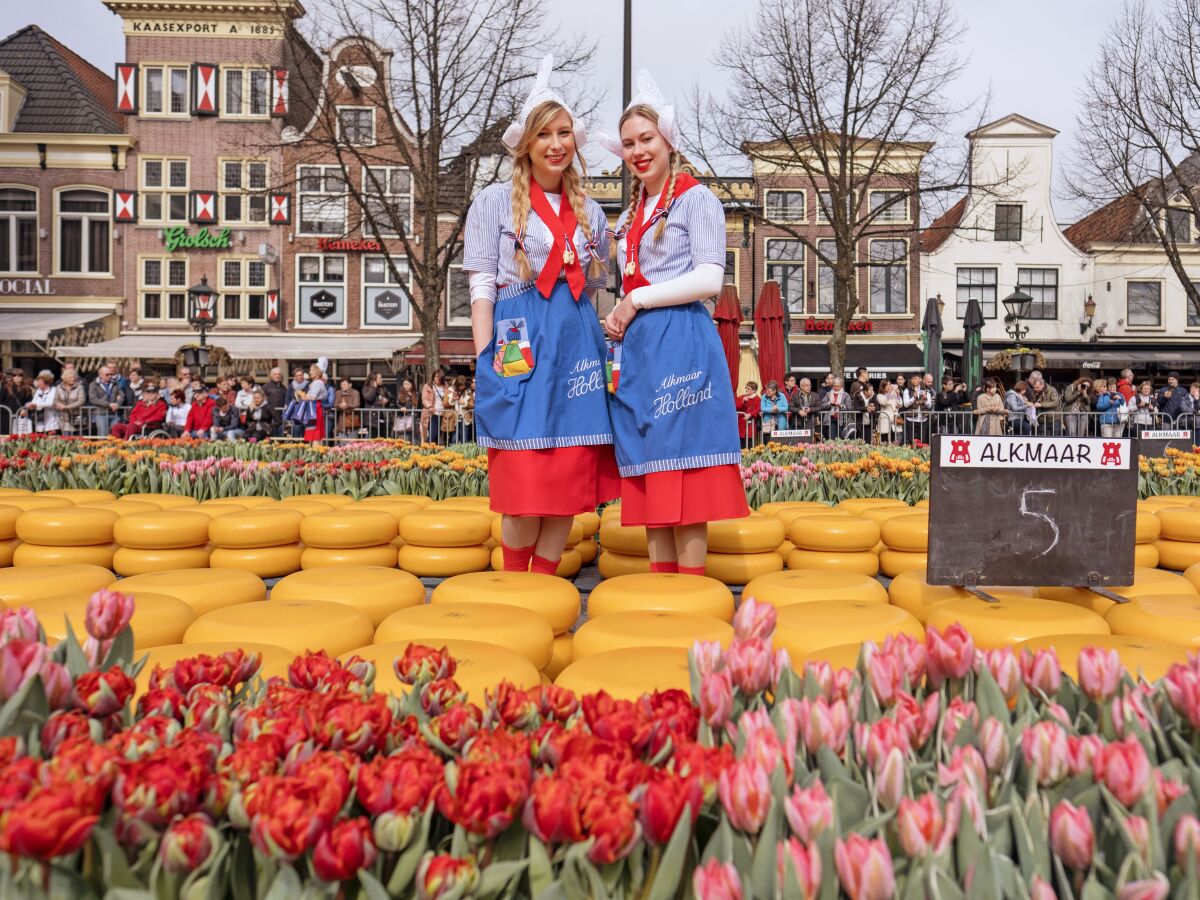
point(768, 322)
point(728, 315)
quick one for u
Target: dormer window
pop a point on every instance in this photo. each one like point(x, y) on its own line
point(1008, 221)
point(1179, 225)
point(356, 125)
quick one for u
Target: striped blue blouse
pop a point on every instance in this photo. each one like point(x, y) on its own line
point(488, 237)
point(695, 234)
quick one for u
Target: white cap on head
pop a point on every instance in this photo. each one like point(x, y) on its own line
point(323, 364)
point(649, 95)
point(540, 93)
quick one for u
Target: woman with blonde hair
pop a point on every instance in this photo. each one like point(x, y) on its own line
point(673, 414)
point(535, 247)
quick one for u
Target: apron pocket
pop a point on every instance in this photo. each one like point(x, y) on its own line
point(513, 355)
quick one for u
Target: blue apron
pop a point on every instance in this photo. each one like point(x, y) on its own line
point(673, 406)
point(540, 383)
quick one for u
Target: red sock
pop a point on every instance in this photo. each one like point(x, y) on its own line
point(544, 566)
point(691, 570)
point(670, 568)
point(516, 559)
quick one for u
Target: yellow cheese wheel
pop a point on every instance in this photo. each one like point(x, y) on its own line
point(922, 504)
point(397, 509)
point(14, 492)
point(295, 625)
point(562, 655)
point(247, 501)
point(34, 501)
point(880, 514)
point(513, 627)
point(1180, 524)
point(478, 504)
point(1166, 617)
point(446, 528)
point(216, 512)
point(838, 533)
point(588, 551)
point(162, 501)
point(321, 557)
point(1010, 621)
point(629, 673)
point(778, 506)
point(69, 526)
point(41, 555)
point(911, 592)
point(569, 563)
point(590, 522)
point(443, 562)
point(1145, 555)
point(274, 660)
point(7, 550)
point(157, 618)
point(807, 586)
point(574, 536)
point(627, 540)
point(788, 516)
point(802, 628)
point(612, 511)
point(337, 501)
point(908, 533)
point(1192, 574)
point(120, 507)
point(163, 530)
point(347, 529)
point(648, 628)
point(854, 505)
point(375, 591)
point(1166, 500)
point(306, 507)
point(19, 585)
point(256, 528)
point(135, 561)
point(419, 499)
point(1176, 555)
point(202, 589)
point(555, 600)
point(480, 667)
point(893, 562)
point(614, 565)
point(8, 521)
point(864, 562)
point(1145, 581)
point(752, 534)
point(265, 562)
point(80, 495)
point(663, 593)
point(840, 656)
point(784, 549)
point(1152, 658)
point(1149, 527)
point(739, 568)
point(234, 503)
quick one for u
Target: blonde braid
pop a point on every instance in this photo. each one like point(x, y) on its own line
point(676, 168)
point(520, 213)
point(573, 191)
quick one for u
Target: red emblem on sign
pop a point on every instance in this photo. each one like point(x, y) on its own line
point(960, 451)
point(1111, 455)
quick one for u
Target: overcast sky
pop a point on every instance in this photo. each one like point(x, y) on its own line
point(1031, 53)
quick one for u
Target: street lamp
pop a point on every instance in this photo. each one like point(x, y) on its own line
point(1018, 304)
point(202, 315)
point(1089, 313)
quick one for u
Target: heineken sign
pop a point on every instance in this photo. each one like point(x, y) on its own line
point(179, 238)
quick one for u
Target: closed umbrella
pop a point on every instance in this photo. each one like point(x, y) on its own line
point(728, 315)
point(931, 326)
point(973, 346)
point(768, 322)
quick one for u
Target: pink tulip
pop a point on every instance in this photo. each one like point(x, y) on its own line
point(762, 745)
point(789, 716)
point(918, 720)
point(950, 654)
point(708, 655)
point(958, 713)
point(1040, 890)
point(889, 779)
point(1155, 888)
point(994, 745)
point(824, 724)
point(1131, 708)
point(966, 766)
point(1187, 840)
point(1041, 671)
point(754, 620)
point(781, 662)
point(1099, 672)
point(922, 826)
point(1183, 690)
point(883, 736)
point(1124, 768)
point(864, 868)
point(1166, 792)
point(716, 698)
point(18, 624)
point(19, 661)
point(809, 811)
point(820, 673)
point(745, 793)
point(1059, 714)
point(966, 805)
point(57, 682)
point(108, 614)
point(1081, 751)
point(750, 663)
point(911, 654)
point(885, 675)
point(1137, 830)
point(1045, 749)
point(716, 880)
point(804, 863)
point(1005, 669)
point(1072, 838)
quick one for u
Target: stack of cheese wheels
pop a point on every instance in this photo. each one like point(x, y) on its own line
point(845, 543)
point(440, 543)
point(855, 505)
point(1173, 618)
point(120, 507)
point(295, 625)
point(202, 589)
point(777, 509)
point(740, 550)
point(375, 591)
point(623, 548)
point(305, 506)
point(80, 495)
point(912, 593)
point(273, 661)
point(337, 501)
point(1145, 656)
point(648, 628)
point(157, 618)
point(419, 499)
point(1179, 542)
point(8, 532)
point(65, 535)
point(20, 585)
point(804, 628)
point(162, 501)
point(502, 624)
point(161, 541)
point(1015, 619)
point(1145, 550)
point(264, 541)
point(480, 667)
point(662, 593)
point(810, 585)
point(628, 673)
point(906, 539)
point(568, 566)
point(348, 537)
point(397, 509)
point(589, 546)
point(552, 599)
point(1145, 581)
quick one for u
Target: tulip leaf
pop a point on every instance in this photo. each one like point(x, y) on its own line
point(121, 651)
point(242, 877)
point(985, 881)
point(77, 663)
point(115, 868)
point(989, 698)
point(1094, 890)
point(12, 707)
point(670, 865)
point(286, 885)
point(541, 874)
point(1031, 854)
point(373, 889)
point(942, 886)
point(496, 877)
point(127, 893)
point(764, 869)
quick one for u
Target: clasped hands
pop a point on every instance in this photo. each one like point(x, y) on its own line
point(618, 320)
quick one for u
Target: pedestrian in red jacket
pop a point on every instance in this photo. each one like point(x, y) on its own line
point(148, 413)
point(200, 416)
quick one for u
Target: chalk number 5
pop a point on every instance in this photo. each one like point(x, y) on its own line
point(1026, 511)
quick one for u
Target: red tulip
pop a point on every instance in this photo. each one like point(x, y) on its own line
point(62, 726)
point(228, 669)
point(510, 747)
point(950, 654)
point(610, 820)
point(666, 798)
point(552, 811)
point(802, 862)
point(108, 614)
point(343, 850)
point(912, 656)
point(445, 877)
point(47, 824)
point(353, 723)
point(403, 782)
point(253, 759)
point(100, 694)
point(1072, 838)
point(1124, 768)
point(421, 664)
point(486, 797)
point(162, 702)
point(188, 844)
point(716, 880)
point(864, 868)
point(616, 720)
point(440, 695)
point(512, 707)
point(457, 725)
point(1099, 672)
point(1041, 671)
point(557, 703)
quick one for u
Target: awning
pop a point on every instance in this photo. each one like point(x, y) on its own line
point(891, 358)
point(31, 325)
point(1086, 358)
point(451, 350)
point(245, 346)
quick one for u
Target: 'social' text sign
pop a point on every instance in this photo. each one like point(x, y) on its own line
point(1032, 510)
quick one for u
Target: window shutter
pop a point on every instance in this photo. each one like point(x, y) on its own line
point(127, 88)
point(204, 89)
point(279, 92)
point(281, 209)
point(204, 207)
point(125, 206)
point(272, 306)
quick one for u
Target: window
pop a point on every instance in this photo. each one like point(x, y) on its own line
point(387, 191)
point(889, 278)
point(243, 288)
point(1042, 286)
point(243, 191)
point(458, 293)
point(356, 125)
point(321, 290)
point(785, 206)
point(1179, 225)
point(1143, 301)
point(731, 266)
point(1193, 313)
point(18, 230)
point(384, 302)
point(322, 200)
point(825, 203)
point(980, 284)
point(163, 284)
point(247, 93)
point(83, 231)
point(826, 280)
point(1008, 221)
point(164, 189)
point(165, 91)
point(889, 206)
point(785, 264)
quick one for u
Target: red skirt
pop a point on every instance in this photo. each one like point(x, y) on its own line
point(316, 431)
point(560, 481)
point(683, 497)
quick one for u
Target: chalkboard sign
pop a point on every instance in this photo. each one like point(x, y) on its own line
point(1032, 510)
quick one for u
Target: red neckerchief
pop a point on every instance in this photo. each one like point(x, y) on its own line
point(562, 256)
point(636, 229)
